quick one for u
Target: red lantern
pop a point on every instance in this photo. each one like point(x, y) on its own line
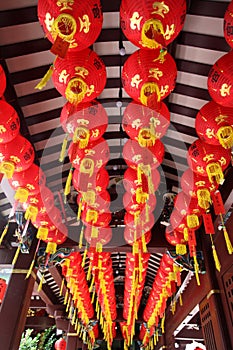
point(73, 25)
point(144, 124)
point(140, 222)
point(17, 155)
point(93, 200)
point(100, 236)
point(80, 77)
point(2, 81)
point(131, 205)
point(89, 160)
point(9, 122)
point(3, 286)
point(208, 160)
point(98, 181)
point(147, 78)
point(176, 238)
point(129, 236)
point(220, 80)
point(131, 183)
point(28, 182)
point(94, 218)
point(179, 222)
point(48, 221)
point(40, 203)
point(186, 204)
point(214, 124)
point(85, 122)
point(54, 238)
point(152, 24)
point(60, 344)
point(228, 25)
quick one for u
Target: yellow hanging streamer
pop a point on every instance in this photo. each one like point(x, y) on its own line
point(196, 269)
point(227, 240)
point(68, 182)
point(84, 257)
point(16, 255)
point(45, 78)
point(66, 297)
point(40, 284)
point(215, 255)
point(63, 149)
point(61, 288)
point(4, 232)
point(163, 324)
point(181, 300)
point(30, 269)
point(81, 238)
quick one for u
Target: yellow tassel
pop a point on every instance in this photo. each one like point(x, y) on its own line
point(89, 272)
point(16, 255)
point(79, 210)
point(4, 232)
point(66, 296)
point(93, 297)
point(181, 300)
point(163, 324)
point(62, 285)
point(186, 235)
point(215, 256)
point(181, 249)
point(196, 269)
point(63, 149)
point(84, 257)
point(68, 304)
point(68, 183)
point(227, 240)
point(81, 238)
point(92, 284)
point(45, 78)
point(144, 247)
point(73, 318)
point(30, 269)
point(40, 284)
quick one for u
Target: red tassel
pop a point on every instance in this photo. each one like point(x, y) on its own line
point(208, 224)
point(218, 203)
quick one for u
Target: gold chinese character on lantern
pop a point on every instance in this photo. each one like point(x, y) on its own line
point(65, 4)
point(89, 152)
point(137, 158)
point(169, 31)
point(48, 21)
point(95, 133)
point(15, 159)
point(221, 118)
point(135, 21)
point(164, 90)
point(155, 73)
point(136, 80)
point(2, 129)
point(136, 124)
point(81, 71)
point(63, 76)
point(200, 183)
point(90, 90)
point(84, 24)
point(208, 157)
point(160, 8)
point(200, 169)
point(222, 161)
point(210, 133)
point(225, 90)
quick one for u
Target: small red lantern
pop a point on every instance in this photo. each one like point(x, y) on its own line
point(131, 205)
point(67, 22)
point(80, 77)
point(3, 286)
point(28, 182)
point(98, 181)
point(100, 236)
point(132, 185)
point(176, 238)
point(152, 24)
point(208, 160)
point(214, 124)
point(93, 200)
point(228, 25)
point(148, 78)
point(60, 344)
point(48, 221)
point(17, 155)
point(89, 160)
point(145, 124)
point(85, 122)
point(9, 122)
point(2, 81)
point(220, 80)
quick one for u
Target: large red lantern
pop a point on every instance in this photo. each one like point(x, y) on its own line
point(131, 237)
point(208, 160)
point(145, 124)
point(228, 25)
point(48, 221)
point(132, 185)
point(93, 200)
point(89, 160)
point(176, 238)
point(152, 24)
point(98, 181)
point(75, 25)
point(80, 77)
point(98, 237)
point(60, 344)
point(131, 205)
point(17, 155)
point(214, 124)
point(147, 78)
point(2, 81)
point(140, 222)
point(28, 182)
point(85, 122)
point(9, 122)
point(94, 218)
point(220, 80)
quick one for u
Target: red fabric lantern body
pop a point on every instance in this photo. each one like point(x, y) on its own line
point(102, 236)
point(97, 182)
point(140, 223)
point(152, 24)
point(2, 81)
point(186, 204)
point(80, 78)
point(96, 219)
point(42, 202)
point(85, 122)
point(129, 236)
point(147, 78)
point(90, 159)
point(9, 122)
point(220, 80)
point(56, 237)
point(131, 205)
point(93, 200)
point(208, 160)
point(228, 25)
point(131, 180)
point(179, 221)
point(60, 344)
point(144, 124)
point(214, 124)
point(30, 180)
point(78, 24)
point(50, 220)
point(3, 287)
point(17, 155)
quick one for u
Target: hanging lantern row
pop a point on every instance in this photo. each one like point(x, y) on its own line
point(135, 276)
point(164, 286)
point(100, 266)
point(2, 81)
point(78, 300)
point(29, 183)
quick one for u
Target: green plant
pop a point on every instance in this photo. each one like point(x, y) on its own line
point(42, 341)
point(28, 342)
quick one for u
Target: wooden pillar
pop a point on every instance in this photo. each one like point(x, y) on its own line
point(16, 302)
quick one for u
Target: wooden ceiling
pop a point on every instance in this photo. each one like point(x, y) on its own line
point(25, 55)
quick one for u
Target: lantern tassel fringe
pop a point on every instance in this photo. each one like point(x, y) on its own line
point(196, 269)
point(45, 78)
point(4, 232)
point(40, 284)
point(30, 269)
point(68, 183)
point(16, 255)
point(227, 240)
point(216, 259)
point(63, 149)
